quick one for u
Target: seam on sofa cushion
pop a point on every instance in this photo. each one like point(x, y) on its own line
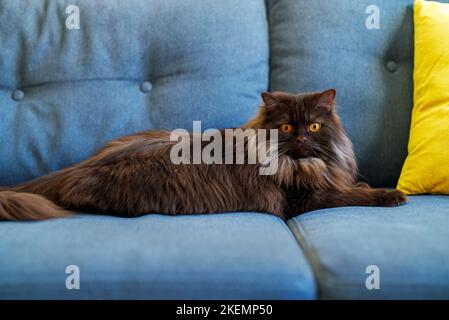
point(299, 234)
point(300, 247)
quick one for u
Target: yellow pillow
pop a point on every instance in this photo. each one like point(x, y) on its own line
point(426, 169)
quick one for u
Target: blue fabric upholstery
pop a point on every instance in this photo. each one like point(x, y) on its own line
point(324, 43)
point(64, 93)
point(409, 244)
point(232, 256)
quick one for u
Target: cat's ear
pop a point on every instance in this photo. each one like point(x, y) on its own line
point(326, 99)
point(269, 99)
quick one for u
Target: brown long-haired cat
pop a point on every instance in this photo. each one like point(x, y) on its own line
point(134, 175)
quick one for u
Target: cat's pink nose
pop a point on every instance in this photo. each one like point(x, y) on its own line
point(301, 139)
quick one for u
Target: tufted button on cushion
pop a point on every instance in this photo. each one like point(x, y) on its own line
point(146, 87)
point(392, 66)
point(18, 95)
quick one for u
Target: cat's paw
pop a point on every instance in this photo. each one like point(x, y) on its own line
point(393, 198)
point(362, 185)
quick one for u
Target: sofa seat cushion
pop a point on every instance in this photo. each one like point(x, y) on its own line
point(408, 244)
point(228, 256)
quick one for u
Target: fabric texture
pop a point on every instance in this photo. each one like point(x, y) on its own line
point(231, 256)
point(425, 169)
point(408, 244)
point(132, 65)
point(323, 44)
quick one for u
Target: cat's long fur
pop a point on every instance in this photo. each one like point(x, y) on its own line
point(134, 175)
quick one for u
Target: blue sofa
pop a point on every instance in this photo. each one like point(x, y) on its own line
point(67, 87)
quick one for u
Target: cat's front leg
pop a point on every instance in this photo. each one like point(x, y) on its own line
point(357, 196)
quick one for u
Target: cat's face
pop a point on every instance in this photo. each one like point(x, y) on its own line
point(308, 125)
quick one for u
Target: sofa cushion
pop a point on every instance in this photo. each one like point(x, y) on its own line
point(228, 256)
point(425, 170)
point(409, 245)
point(323, 44)
point(132, 65)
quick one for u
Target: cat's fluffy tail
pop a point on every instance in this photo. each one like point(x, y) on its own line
point(23, 206)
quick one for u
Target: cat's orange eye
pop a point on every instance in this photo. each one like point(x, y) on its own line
point(315, 127)
point(286, 128)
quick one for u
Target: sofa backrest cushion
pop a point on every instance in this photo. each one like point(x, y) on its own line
point(132, 65)
point(362, 48)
